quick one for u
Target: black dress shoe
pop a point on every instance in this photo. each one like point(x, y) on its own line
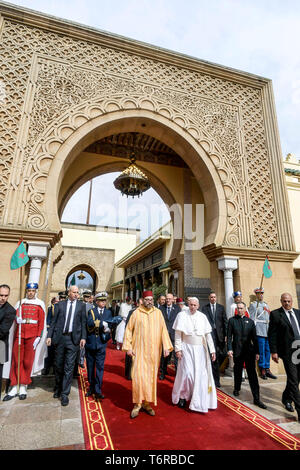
point(270, 375)
point(22, 397)
point(99, 395)
point(162, 377)
point(56, 394)
point(89, 393)
point(64, 401)
point(260, 404)
point(289, 407)
point(181, 403)
point(236, 393)
point(8, 397)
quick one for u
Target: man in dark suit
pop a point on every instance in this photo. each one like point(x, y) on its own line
point(49, 361)
point(68, 333)
point(115, 312)
point(99, 321)
point(217, 318)
point(7, 316)
point(242, 345)
point(170, 312)
point(284, 334)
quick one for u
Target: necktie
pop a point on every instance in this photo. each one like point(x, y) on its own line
point(69, 318)
point(214, 314)
point(294, 324)
point(168, 312)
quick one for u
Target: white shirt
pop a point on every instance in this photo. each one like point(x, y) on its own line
point(295, 318)
point(72, 315)
point(213, 307)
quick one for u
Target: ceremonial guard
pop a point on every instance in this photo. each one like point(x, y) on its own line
point(260, 313)
point(29, 348)
point(99, 324)
point(237, 297)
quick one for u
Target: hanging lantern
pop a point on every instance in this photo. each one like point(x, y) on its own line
point(132, 182)
point(81, 276)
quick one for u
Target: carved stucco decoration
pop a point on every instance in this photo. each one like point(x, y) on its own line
point(56, 83)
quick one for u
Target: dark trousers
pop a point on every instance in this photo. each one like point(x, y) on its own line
point(220, 356)
point(95, 367)
point(249, 360)
point(1, 371)
point(164, 361)
point(49, 361)
point(128, 364)
point(65, 357)
point(113, 335)
point(291, 392)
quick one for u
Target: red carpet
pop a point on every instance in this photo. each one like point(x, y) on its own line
point(233, 426)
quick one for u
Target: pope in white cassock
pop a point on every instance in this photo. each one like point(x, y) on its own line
point(193, 346)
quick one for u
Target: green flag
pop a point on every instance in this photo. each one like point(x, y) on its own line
point(73, 281)
point(267, 268)
point(20, 257)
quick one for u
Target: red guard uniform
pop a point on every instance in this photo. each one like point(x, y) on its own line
point(33, 319)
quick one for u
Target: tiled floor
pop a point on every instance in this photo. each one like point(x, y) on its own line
point(40, 422)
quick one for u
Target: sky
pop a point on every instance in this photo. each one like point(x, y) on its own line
point(256, 36)
point(109, 207)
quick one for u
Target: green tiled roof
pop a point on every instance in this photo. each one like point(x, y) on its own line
point(291, 171)
point(115, 284)
point(165, 265)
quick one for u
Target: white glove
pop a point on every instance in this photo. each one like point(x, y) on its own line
point(19, 320)
point(124, 319)
point(105, 327)
point(36, 342)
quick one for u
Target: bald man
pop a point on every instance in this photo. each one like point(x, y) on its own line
point(68, 334)
point(284, 334)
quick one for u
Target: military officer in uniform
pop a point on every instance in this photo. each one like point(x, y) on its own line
point(31, 330)
point(99, 323)
point(62, 295)
point(259, 312)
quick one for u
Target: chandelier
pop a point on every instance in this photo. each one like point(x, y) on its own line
point(132, 182)
point(81, 276)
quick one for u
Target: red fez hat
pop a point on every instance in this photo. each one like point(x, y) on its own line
point(147, 293)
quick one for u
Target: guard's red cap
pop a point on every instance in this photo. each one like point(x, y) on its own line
point(147, 293)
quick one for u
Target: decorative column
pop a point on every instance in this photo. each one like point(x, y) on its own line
point(37, 252)
point(228, 264)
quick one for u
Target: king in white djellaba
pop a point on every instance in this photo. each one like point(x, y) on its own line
point(194, 346)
